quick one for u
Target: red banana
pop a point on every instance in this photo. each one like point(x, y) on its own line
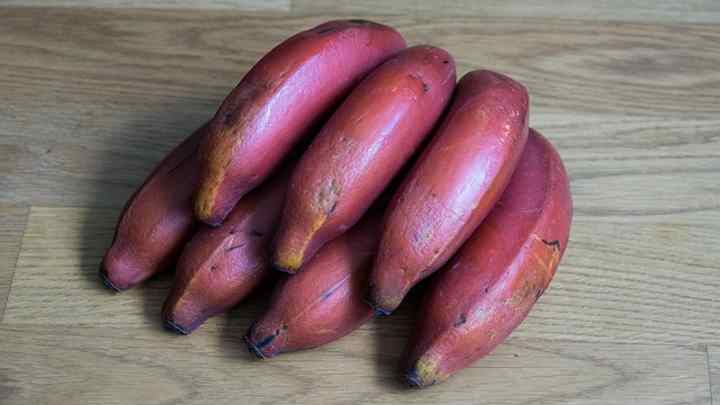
point(278, 101)
point(221, 266)
point(453, 186)
point(323, 302)
point(156, 221)
point(361, 148)
point(489, 287)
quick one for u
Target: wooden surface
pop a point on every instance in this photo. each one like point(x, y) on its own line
point(714, 369)
point(629, 92)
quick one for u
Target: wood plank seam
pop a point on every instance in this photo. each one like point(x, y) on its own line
point(25, 219)
point(709, 372)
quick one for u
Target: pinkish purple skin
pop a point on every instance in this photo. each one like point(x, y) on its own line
point(220, 266)
point(488, 289)
point(278, 101)
point(453, 186)
point(323, 302)
point(156, 221)
point(363, 145)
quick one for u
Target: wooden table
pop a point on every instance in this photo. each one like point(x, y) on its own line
point(629, 92)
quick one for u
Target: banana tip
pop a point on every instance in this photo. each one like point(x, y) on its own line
point(423, 374)
point(287, 266)
point(412, 379)
point(106, 280)
point(209, 219)
point(254, 349)
point(284, 269)
point(171, 326)
point(212, 223)
point(377, 309)
point(204, 212)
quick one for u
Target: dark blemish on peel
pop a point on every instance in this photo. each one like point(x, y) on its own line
point(213, 267)
point(487, 289)
point(445, 62)
point(328, 196)
point(266, 341)
point(256, 233)
point(235, 247)
point(326, 30)
point(416, 237)
point(460, 321)
point(555, 243)
point(425, 86)
point(326, 295)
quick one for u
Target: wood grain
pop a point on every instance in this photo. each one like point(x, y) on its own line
point(713, 353)
point(611, 10)
point(616, 284)
point(46, 251)
point(93, 97)
point(103, 365)
point(12, 224)
point(620, 100)
point(578, 67)
point(239, 5)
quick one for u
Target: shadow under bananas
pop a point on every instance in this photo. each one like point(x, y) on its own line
point(125, 156)
point(235, 323)
point(392, 334)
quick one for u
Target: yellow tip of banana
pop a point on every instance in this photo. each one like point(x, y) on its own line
point(203, 208)
point(288, 263)
point(289, 256)
point(424, 373)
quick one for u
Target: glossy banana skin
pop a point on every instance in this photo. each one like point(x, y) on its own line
point(156, 221)
point(323, 302)
point(455, 183)
point(363, 145)
point(488, 289)
point(279, 101)
point(220, 266)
